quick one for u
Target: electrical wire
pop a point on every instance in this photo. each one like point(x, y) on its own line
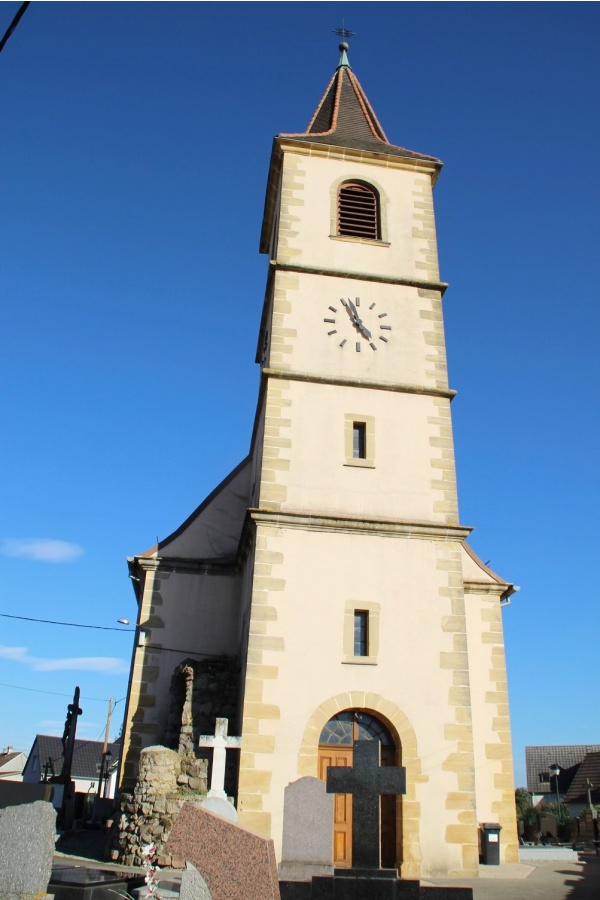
point(179, 650)
point(18, 687)
point(70, 624)
point(13, 24)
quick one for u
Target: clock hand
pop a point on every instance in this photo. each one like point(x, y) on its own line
point(358, 321)
point(355, 315)
point(351, 310)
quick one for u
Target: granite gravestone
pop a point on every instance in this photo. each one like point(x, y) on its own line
point(15, 793)
point(27, 836)
point(307, 847)
point(235, 863)
point(193, 885)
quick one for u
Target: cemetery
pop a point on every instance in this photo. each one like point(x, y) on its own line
point(180, 818)
point(200, 835)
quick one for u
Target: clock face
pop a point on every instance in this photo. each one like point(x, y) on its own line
point(356, 325)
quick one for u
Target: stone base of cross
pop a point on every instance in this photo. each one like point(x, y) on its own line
point(220, 742)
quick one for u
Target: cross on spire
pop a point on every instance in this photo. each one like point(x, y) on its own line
point(366, 781)
point(344, 32)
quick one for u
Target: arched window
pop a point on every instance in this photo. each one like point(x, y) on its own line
point(358, 211)
point(355, 725)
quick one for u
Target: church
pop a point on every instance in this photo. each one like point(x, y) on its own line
point(325, 591)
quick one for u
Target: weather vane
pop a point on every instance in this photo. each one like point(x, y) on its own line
point(344, 32)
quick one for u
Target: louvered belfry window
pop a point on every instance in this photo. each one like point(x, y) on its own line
point(358, 211)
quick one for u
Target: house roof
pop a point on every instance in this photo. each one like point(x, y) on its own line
point(345, 118)
point(87, 755)
point(12, 762)
point(589, 770)
point(567, 756)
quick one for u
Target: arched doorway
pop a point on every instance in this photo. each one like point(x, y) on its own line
point(336, 749)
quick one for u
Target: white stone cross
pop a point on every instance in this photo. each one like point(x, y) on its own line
point(220, 744)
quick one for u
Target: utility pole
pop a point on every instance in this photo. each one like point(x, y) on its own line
point(593, 809)
point(111, 705)
point(101, 792)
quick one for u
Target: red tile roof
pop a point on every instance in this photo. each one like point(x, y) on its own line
point(345, 118)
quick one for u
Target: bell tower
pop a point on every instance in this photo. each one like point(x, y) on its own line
point(360, 594)
point(330, 568)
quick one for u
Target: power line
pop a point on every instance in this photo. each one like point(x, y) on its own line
point(13, 24)
point(179, 650)
point(70, 624)
point(18, 687)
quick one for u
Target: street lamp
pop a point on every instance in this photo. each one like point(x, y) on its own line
point(105, 765)
point(555, 770)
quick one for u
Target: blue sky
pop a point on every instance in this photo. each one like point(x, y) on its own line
point(136, 140)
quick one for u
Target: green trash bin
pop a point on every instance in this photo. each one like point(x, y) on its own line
point(490, 843)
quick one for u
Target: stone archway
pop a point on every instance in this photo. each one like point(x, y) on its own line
point(408, 824)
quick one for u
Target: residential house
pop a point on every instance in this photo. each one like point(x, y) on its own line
point(46, 759)
point(11, 764)
point(541, 784)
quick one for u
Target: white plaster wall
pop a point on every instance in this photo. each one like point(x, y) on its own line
point(257, 456)
point(483, 711)
point(406, 358)
point(323, 571)
point(400, 485)
point(201, 615)
point(403, 193)
point(494, 776)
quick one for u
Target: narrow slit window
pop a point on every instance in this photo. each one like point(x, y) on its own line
point(358, 211)
point(361, 632)
point(359, 440)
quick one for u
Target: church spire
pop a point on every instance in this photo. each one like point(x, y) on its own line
point(344, 57)
point(345, 118)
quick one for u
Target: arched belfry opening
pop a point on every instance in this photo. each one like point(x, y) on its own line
point(336, 749)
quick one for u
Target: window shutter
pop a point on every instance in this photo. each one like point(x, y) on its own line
point(358, 212)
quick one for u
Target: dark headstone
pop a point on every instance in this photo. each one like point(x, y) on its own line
point(15, 793)
point(295, 890)
point(349, 888)
point(366, 781)
point(79, 883)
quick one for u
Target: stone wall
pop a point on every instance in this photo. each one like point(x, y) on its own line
point(166, 781)
point(201, 691)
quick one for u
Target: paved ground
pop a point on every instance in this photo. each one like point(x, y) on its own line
point(544, 881)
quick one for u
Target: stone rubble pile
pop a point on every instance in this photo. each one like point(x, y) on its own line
point(166, 781)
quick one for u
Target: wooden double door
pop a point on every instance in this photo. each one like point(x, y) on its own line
point(332, 754)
